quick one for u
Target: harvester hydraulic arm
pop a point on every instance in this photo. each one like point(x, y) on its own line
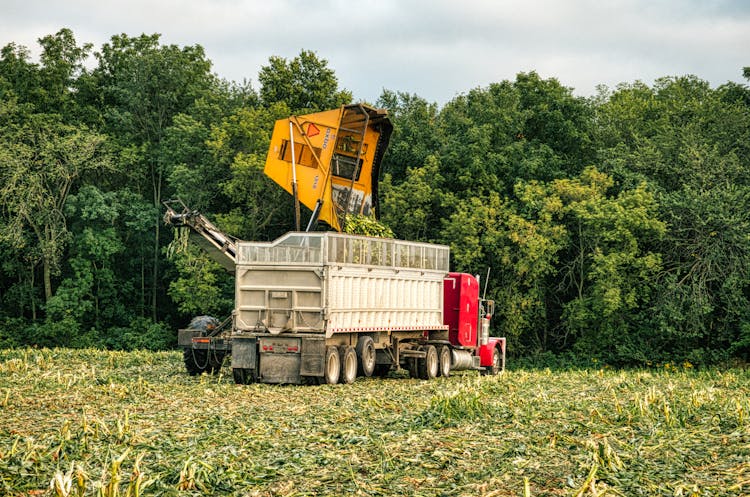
point(221, 247)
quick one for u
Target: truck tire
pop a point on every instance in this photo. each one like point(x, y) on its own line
point(365, 356)
point(444, 360)
point(332, 366)
point(428, 367)
point(497, 362)
point(199, 361)
point(413, 366)
point(348, 364)
point(243, 376)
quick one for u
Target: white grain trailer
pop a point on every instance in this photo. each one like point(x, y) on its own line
point(322, 307)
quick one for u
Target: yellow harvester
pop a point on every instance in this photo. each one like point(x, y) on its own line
point(329, 161)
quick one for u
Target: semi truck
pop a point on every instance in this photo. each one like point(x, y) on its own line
point(327, 307)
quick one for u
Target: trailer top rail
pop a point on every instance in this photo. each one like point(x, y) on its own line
point(319, 248)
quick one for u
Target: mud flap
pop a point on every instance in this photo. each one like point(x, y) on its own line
point(313, 357)
point(244, 353)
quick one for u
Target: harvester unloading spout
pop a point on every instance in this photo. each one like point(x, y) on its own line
point(330, 161)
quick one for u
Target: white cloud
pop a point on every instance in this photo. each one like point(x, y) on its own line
point(435, 49)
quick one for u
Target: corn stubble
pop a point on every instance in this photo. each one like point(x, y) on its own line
point(97, 423)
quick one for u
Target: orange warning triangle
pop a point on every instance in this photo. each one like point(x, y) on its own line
point(312, 130)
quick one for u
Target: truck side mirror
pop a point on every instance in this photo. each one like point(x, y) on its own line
point(490, 307)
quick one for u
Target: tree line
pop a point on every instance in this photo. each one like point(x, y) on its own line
point(615, 227)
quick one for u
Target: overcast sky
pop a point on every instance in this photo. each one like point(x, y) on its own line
point(436, 49)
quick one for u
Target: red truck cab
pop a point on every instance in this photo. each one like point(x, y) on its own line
point(467, 316)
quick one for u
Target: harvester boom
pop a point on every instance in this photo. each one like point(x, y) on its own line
point(221, 247)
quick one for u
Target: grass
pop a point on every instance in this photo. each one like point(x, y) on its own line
point(87, 422)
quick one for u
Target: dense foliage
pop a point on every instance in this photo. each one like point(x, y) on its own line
point(615, 227)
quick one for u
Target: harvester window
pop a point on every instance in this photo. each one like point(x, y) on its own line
point(344, 166)
point(349, 144)
point(344, 163)
point(305, 156)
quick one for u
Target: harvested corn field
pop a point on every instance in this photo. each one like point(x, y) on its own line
point(87, 422)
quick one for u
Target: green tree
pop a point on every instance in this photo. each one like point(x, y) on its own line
point(41, 159)
point(62, 65)
point(51, 86)
point(91, 293)
point(412, 208)
point(609, 265)
point(191, 160)
point(691, 143)
point(257, 208)
point(490, 232)
point(202, 287)
point(19, 77)
point(704, 298)
point(144, 86)
point(415, 134)
point(304, 83)
point(530, 128)
point(188, 150)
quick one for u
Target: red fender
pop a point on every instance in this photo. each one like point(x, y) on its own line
point(485, 351)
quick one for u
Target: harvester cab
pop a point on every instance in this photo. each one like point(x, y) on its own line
point(330, 161)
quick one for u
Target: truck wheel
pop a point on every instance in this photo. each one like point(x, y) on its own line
point(428, 367)
point(444, 360)
point(242, 376)
point(497, 362)
point(196, 361)
point(348, 364)
point(332, 367)
point(366, 356)
point(201, 361)
point(215, 361)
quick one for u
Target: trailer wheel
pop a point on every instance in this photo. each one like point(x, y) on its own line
point(242, 376)
point(348, 364)
point(428, 367)
point(444, 360)
point(497, 362)
point(413, 365)
point(366, 356)
point(332, 366)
